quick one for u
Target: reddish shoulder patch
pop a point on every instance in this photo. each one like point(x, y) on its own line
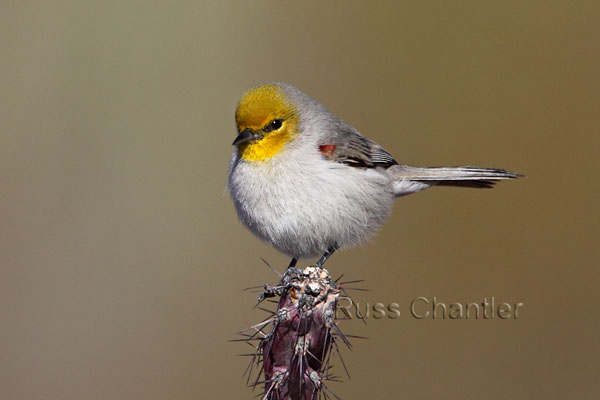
point(327, 149)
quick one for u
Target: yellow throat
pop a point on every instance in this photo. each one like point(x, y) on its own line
point(258, 108)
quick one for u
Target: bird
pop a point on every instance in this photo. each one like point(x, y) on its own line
point(308, 184)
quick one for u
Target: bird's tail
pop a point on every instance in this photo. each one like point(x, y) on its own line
point(410, 179)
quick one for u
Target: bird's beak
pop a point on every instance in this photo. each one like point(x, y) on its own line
point(245, 136)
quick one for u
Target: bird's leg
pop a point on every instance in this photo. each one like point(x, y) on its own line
point(293, 262)
point(290, 272)
point(325, 256)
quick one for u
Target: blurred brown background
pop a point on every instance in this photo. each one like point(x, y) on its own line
point(121, 257)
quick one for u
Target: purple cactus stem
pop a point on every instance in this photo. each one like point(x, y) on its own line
point(295, 356)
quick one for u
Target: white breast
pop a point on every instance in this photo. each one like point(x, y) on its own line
point(302, 204)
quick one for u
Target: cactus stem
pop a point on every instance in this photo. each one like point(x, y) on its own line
point(295, 355)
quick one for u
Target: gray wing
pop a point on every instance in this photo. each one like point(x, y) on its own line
point(349, 147)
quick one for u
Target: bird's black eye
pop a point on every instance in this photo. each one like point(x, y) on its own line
point(276, 124)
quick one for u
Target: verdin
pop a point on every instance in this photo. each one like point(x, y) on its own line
point(307, 183)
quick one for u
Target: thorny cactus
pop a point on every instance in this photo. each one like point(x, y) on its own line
point(295, 355)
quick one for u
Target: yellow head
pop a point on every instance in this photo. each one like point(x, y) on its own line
point(266, 120)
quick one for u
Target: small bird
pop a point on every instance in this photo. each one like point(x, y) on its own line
point(307, 183)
